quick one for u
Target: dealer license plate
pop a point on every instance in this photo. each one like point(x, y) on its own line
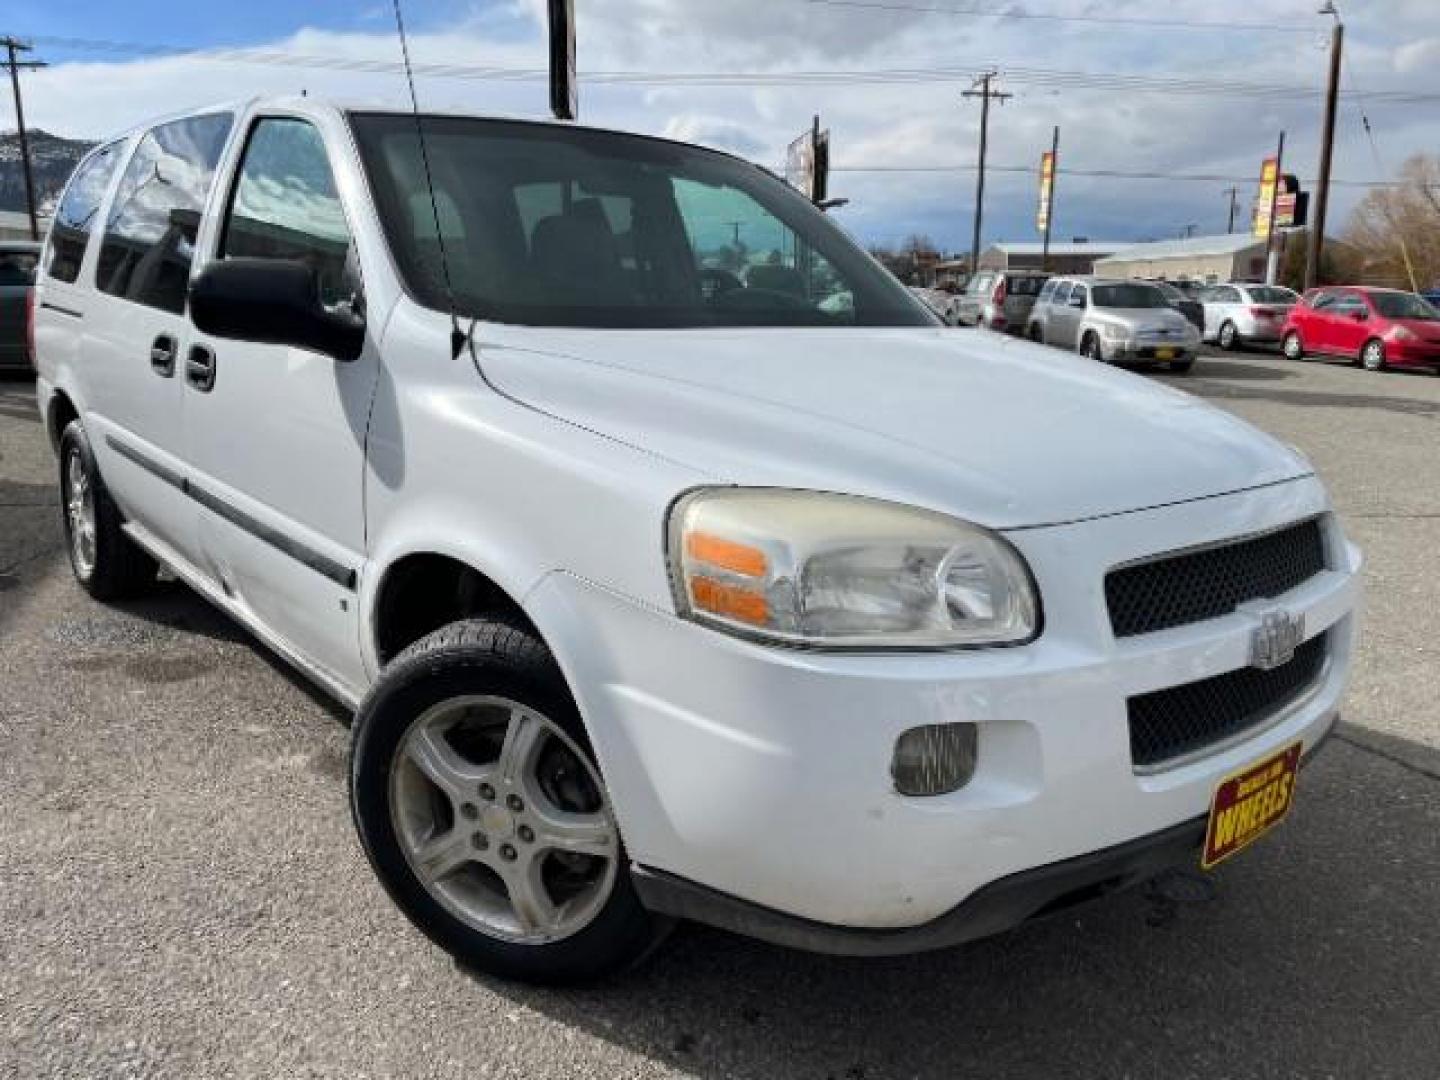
point(1250, 803)
point(1164, 354)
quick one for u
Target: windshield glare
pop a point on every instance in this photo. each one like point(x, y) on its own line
point(1127, 296)
point(1272, 294)
point(547, 225)
point(1396, 305)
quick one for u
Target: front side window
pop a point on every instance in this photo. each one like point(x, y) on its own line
point(285, 205)
point(1129, 296)
point(1078, 296)
point(1062, 293)
point(149, 239)
point(1047, 292)
point(554, 226)
point(75, 215)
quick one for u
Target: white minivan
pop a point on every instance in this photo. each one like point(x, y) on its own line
point(676, 560)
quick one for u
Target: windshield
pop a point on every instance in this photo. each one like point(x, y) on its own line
point(1399, 305)
point(1271, 294)
point(1127, 296)
point(547, 225)
point(1169, 291)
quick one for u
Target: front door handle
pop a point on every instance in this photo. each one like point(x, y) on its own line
point(200, 368)
point(162, 356)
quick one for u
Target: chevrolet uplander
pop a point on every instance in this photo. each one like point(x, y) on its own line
point(676, 561)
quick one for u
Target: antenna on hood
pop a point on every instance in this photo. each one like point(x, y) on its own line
point(457, 336)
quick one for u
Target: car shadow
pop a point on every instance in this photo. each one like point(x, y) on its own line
point(1270, 966)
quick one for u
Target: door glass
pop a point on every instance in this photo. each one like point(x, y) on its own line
point(1062, 293)
point(150, 236)
point(76, 212)
point(285, 206)
point(1078, 296)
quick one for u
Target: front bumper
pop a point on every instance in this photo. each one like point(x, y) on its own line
point(762, 773)
point(1131, 350)
point(1417, 353)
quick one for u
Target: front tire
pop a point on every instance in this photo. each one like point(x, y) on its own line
point(1372, 355)
point(1229, 338)
point(1090, 348)
point(1181, 367)
point(1292, 346)
point(107, 563)
point(481, 809)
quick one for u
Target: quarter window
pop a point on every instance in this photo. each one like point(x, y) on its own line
point(150, 235)
point(285, 205)
point(76, 212)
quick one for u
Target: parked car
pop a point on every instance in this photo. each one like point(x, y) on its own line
point(999, 300)
point(652, 603)
point(1186, 305)
point(17, 279)
point(1239, 314)
point(1113, 321)
point(1376, 328)
point(943, 303)
point(1432, 297)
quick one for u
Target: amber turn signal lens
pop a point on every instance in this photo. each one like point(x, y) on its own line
point(716, 597)
point(726, 554)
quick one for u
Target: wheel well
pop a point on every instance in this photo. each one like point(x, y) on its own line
point(62, 411)
point(422, 593)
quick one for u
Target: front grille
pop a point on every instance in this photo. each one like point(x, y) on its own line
point(1178, 720)
point(1205, 584)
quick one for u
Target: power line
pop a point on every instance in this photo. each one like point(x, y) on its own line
point(1105, 174)
point(1108, 81)
point(1114, 20)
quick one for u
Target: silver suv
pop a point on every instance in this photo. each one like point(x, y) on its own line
point(1113, 321)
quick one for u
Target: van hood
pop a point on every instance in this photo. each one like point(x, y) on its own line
point(990, 428)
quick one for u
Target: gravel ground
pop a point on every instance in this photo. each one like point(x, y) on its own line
point(181, 893)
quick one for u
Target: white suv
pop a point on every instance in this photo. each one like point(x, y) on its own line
point(677, 561)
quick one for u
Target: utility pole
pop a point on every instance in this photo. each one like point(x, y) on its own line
point(1327, 147)
point(984, 94)
point(1272, 257)
point(1234, 193)
point(12, 48)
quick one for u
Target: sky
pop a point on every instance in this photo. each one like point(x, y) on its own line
point(1205, 107)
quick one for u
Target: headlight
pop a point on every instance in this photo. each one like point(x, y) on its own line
point(1113, 333)
point(841, 571)
point(1402, 333)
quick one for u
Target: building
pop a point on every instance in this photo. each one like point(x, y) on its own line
point(1074, 257)
point(1231, 257)
point(15, 225)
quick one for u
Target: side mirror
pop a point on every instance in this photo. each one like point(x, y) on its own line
point(273, 301)
point(1360, 314)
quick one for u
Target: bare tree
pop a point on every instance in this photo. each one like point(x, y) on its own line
point(1397, 228)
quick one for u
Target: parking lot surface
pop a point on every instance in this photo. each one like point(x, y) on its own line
point(182, 895)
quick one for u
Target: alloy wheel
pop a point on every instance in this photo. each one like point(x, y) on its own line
point(1291, 347)
point(1372, 357)
point(503, 820)
point(80, 513)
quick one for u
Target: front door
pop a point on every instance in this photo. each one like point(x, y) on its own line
point(276, 435)
point(1348, 330)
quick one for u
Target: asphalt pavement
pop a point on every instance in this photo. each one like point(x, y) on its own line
point(182, 895)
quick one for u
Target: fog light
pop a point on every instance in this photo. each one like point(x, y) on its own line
point(934, 759)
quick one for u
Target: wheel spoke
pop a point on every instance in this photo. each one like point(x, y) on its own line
point(444, 854)
point(522, 741)
point(445, 768)
point(582, 834)
point(534, 909)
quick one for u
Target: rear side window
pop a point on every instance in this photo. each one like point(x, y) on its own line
point(285, 205)
point(149, 239)
point(1027, 285)
point(1062, 293)
point(75, 215)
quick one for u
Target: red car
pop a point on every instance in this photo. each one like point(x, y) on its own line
point(1376, 328)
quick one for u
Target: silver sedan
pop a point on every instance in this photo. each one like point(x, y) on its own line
point(1237, 315)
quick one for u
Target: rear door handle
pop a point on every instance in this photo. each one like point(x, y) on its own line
point(162, 356)
point(200, 368)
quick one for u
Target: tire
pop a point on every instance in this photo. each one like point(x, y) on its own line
point(1033, 333)
point(1228, 338)
point(1090, 348)
point(107, 563)
point(1181, 367)
point(1372, 355)
point(492, 676)
point(1292, 347)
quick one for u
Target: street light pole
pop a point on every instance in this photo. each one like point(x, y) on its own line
point(1327, 146)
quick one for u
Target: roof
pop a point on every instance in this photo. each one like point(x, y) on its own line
point(1074, 247)
point(1195, 246)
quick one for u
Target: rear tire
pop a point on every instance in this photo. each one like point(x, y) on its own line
point(1292, 347)
point(1372, 355)
point(481, 808)
point(1033, 333)
point(107, 563)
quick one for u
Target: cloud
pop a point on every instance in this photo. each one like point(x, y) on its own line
point(888, 125)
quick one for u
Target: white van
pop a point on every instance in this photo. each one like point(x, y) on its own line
point(677, 561)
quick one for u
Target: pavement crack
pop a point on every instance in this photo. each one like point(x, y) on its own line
point(32, 557)
point(1393, 758)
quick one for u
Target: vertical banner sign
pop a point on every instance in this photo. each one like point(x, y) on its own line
point(821, 183)
point(1047, 178)
point(1269, 177)
point(564, 90)
point(800, 164)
